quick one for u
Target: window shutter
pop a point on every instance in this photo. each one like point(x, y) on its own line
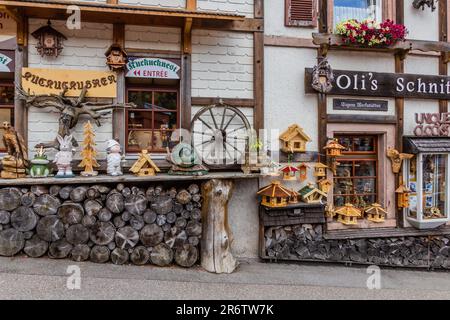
point(301, 13)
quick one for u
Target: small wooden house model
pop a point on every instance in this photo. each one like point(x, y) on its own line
point(320, 170)
point(348, 214)
point(144, 166)
point(275, 195)
point(289, 172)
point(403, 196)
point(375, 213)
point(325, 185)
point(294, 197)
point(303, 171)
point(310, 194)
point(333, 148)
point(294, 139)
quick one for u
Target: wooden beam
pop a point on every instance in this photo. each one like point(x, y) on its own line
point(191, 5)
point(345, 118)
point(400, 11)
point(112, 1)
point(399, 111)
point(12, 12)
point(443, 36)
point(293, 42)
point(258, 81)
point(258, 6)
point(186, 91)
point(187, 36)
point(118, 113)
point(21, 61)
point(207, 101)
point(323, 16)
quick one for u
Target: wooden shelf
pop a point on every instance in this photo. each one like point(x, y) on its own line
point(333, 41)
point(384, 233)
point(124, 179)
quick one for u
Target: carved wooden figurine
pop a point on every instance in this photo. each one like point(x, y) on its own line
point(15, 161)
point(114, 158)
point(397, 159)
point(144, 165)
point(39, 165)
point(63, 158)
point(88, 153)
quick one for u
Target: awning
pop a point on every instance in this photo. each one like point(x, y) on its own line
point(127, 14)
point(416, 145)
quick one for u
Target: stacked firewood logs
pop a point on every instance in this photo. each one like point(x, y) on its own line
point(97, 223)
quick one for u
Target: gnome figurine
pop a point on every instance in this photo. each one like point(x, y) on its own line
point(114, 158)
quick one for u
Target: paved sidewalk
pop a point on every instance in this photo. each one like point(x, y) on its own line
point(26, 278)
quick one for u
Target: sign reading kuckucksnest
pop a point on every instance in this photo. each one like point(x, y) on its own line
point(360, 105)
point(357, 83)
point(152, 68)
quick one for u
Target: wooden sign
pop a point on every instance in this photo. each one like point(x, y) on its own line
point(356, 83)
point(360, 105)
point(100, 84)
point(7, 61)
point(432, 124)
point(152, 68)
point(7, 25)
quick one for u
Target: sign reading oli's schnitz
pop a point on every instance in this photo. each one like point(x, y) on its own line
point(356, 83)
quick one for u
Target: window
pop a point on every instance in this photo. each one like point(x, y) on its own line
point(356, 9)
point(151, 123)
point(6, 106)
point(356, 179)
point(427, 175)
point(301, 13)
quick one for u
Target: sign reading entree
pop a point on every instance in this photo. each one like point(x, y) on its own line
point(152, 68)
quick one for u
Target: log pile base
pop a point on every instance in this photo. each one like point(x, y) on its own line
point(119, 223)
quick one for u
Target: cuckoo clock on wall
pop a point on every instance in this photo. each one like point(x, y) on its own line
point(420, 4)
point(50, 41)
point(116, 57)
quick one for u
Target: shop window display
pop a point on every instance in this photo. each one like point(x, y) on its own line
point(427, 176)
point(6, 107)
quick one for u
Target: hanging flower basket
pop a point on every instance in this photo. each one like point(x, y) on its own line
point(369, 33)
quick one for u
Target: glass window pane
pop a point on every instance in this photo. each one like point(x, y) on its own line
point(364, 144)
point(365, 169)
point(166, 100)
point(162, 140)
point(165, 120)
point(434, 173)
point(344, 169)
point(356, 9)
point(365, 186)
point(412, 185)
point(142, 99)
point(139, 120)
point(6, 94)
point(138, 140)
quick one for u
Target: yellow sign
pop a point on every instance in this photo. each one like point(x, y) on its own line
point(7, 25)
point(99, 84)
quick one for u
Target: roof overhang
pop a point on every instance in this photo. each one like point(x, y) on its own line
point(130, 14)
point(417, 145)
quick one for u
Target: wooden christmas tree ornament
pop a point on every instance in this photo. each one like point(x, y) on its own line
point(348, 214)
point(375, 213)
point(144, 165)
point(88, 153)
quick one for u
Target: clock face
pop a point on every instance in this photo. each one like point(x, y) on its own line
point(49, 42)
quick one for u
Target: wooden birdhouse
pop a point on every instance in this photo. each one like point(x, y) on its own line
point(50, 41)
point(348, 214)
point(402, 196)
point(375, 213)
point(289, 172)
point(333, 148)
point(294, 197)
point(144, 166)
point(116, 57)
point(275, 195)
point(294, 140)
point(325, 185)
point(310, 194)
point(320, 170)
point(303, 171)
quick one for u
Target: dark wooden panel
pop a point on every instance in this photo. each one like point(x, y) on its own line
point(207, 101)
point(384, 233)
point(186, 107)
point(361, 118)
point(258, 85)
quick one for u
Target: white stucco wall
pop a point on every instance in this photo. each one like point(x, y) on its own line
point(417, 106)
point(285, 100)
point(83, 50)
point(244, 7)
point(152, 38)
point(222, 64)
point(422, 24)
point(422, 65)
point(274, 11)
point(157, 3)
point(361, 61)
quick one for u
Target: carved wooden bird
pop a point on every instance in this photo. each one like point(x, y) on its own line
point(14, 143)
point(397, 158)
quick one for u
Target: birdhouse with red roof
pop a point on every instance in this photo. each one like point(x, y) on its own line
point(289, 172)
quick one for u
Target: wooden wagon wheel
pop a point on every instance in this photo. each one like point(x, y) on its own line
point(220, 134)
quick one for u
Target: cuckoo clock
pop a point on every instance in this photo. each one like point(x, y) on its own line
point(116, 57)
point(420, 4)
point(322, 77)
point(50, 41)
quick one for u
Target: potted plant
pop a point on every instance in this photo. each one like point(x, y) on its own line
point(370, 33)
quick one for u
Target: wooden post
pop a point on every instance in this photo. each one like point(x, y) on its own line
point(258, 74)
point(443, 36)
point(191, 5)
point(323, 16)
point(119, 113)
point(217, 238)
point(21, 57)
